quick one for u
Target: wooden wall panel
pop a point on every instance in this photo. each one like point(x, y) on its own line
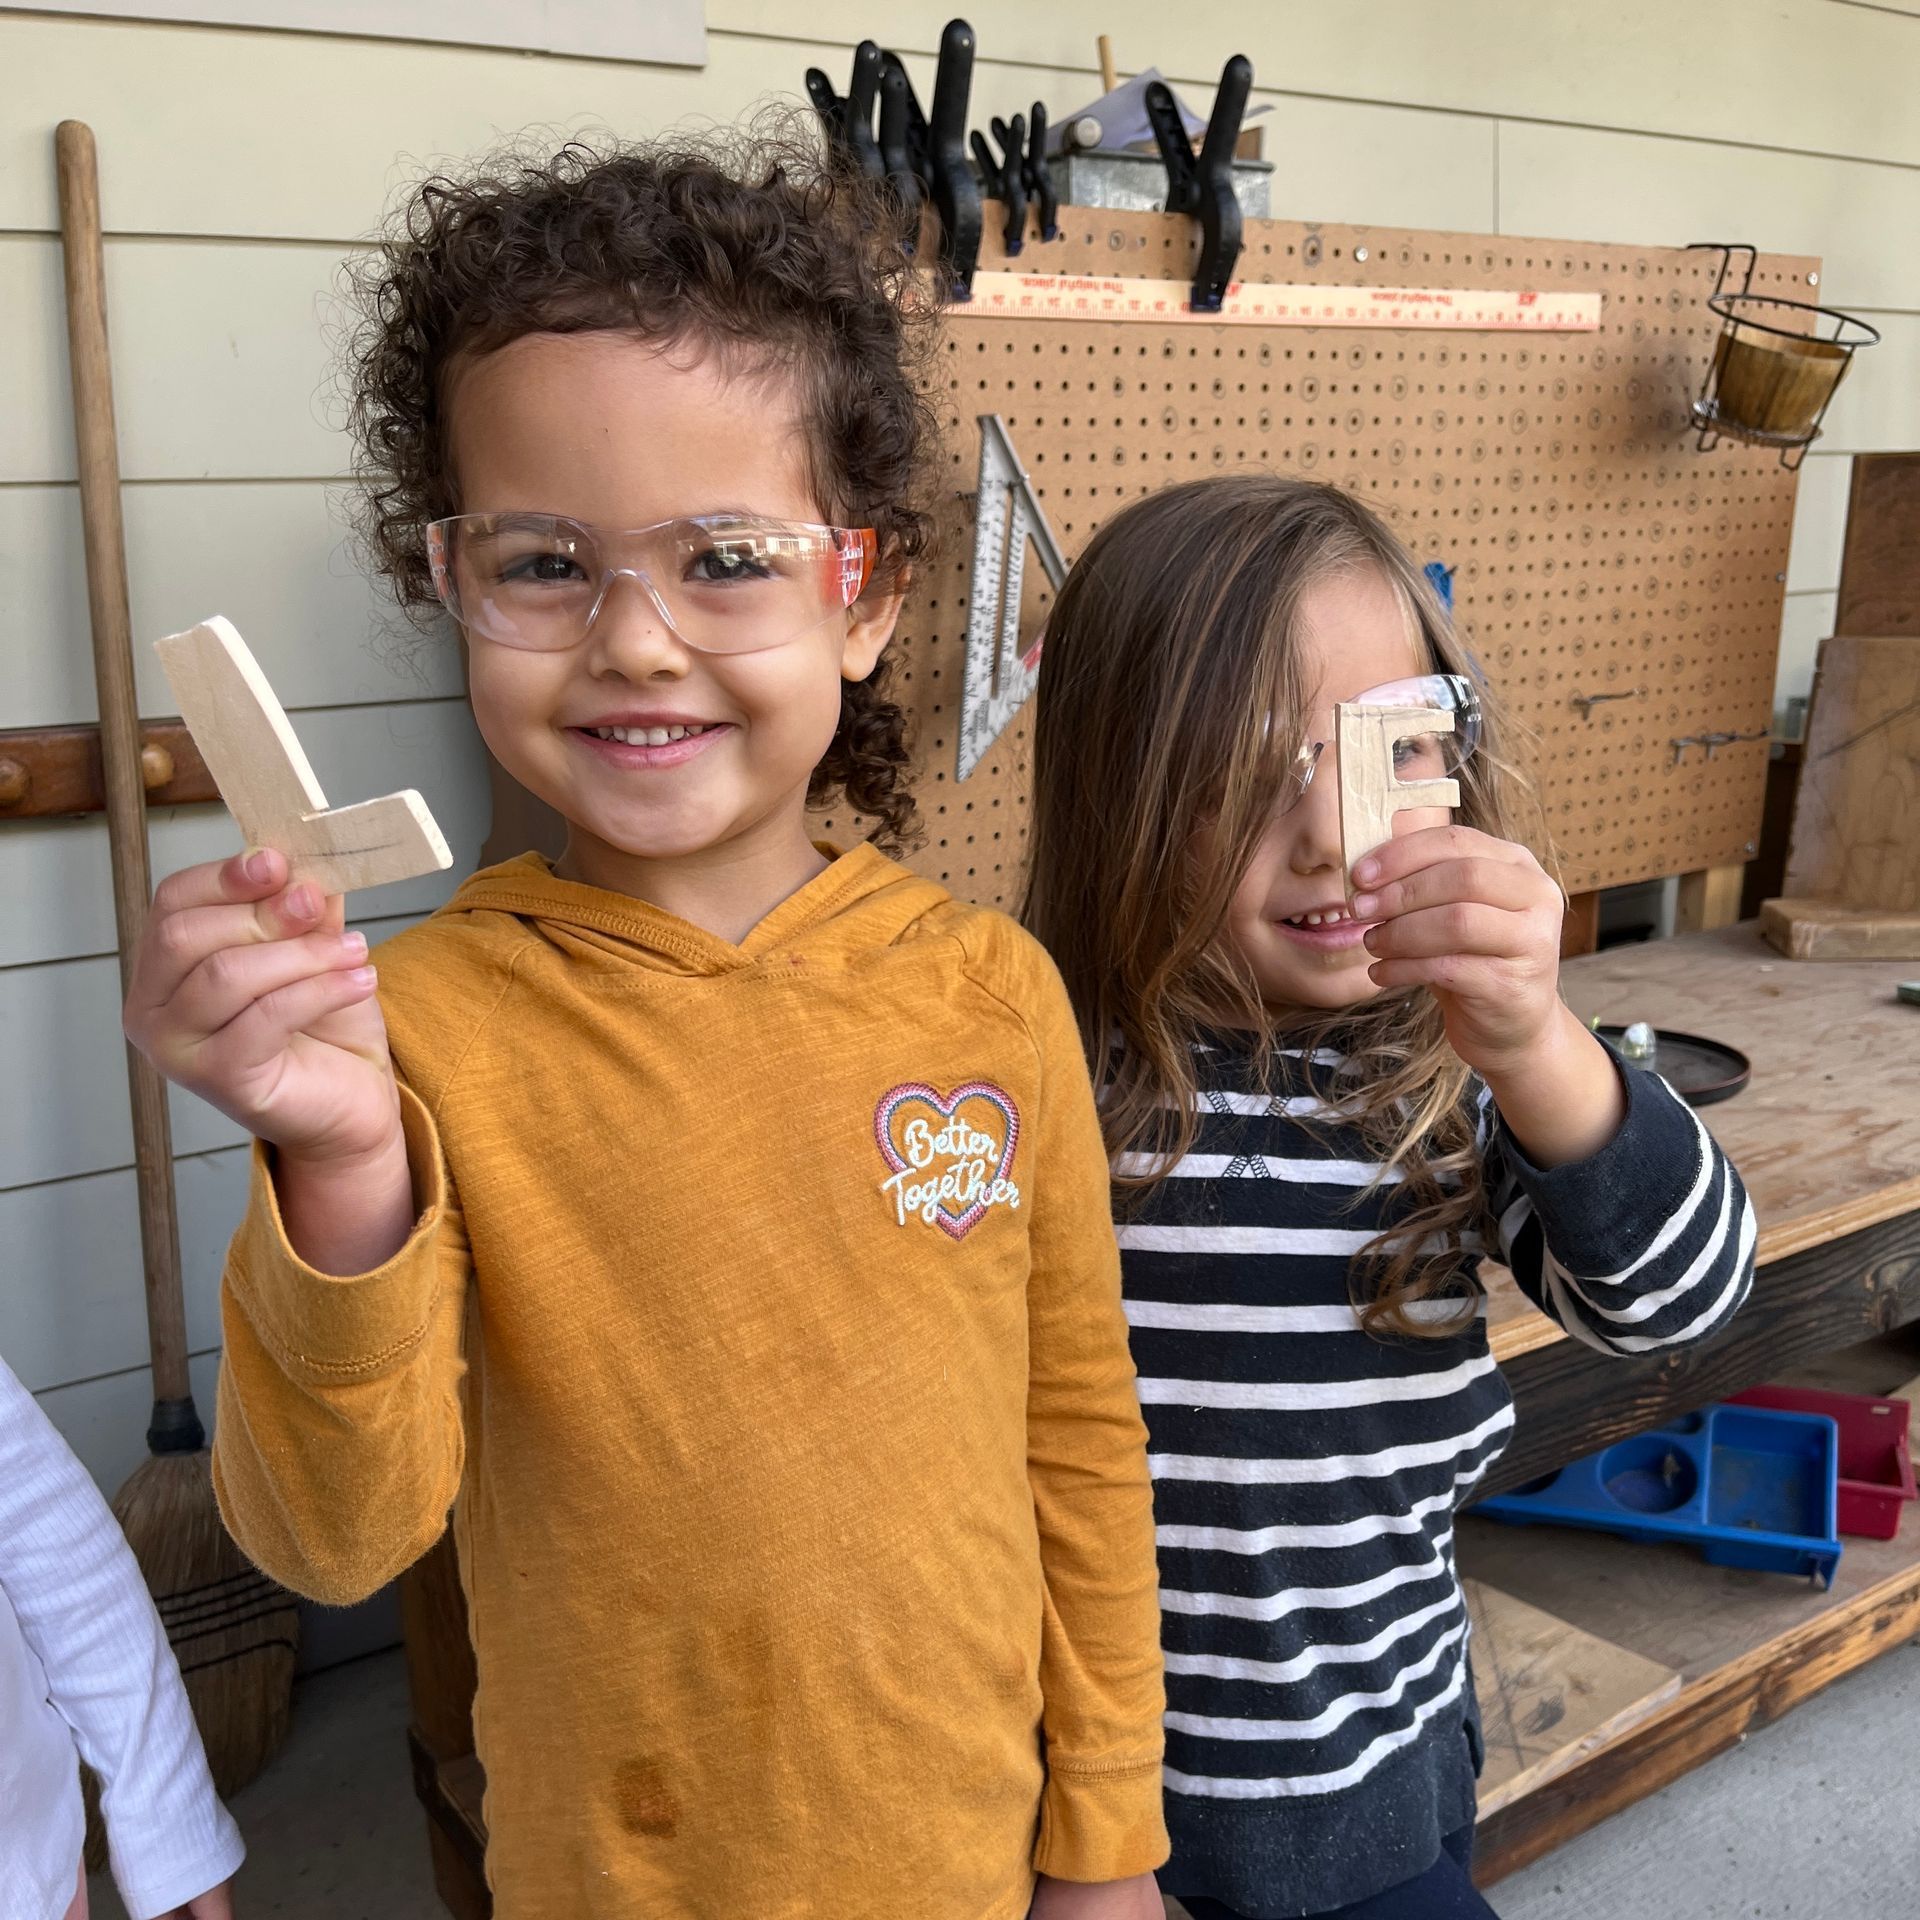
point(83, 1315)
point(1596, 550)
point(221, 366)
point(1833, 79)
point(1645, 189)
point(1880, 571)
point(104, 1419)
point(274, 557)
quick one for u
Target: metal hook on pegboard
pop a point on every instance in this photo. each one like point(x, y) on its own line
point(1585, 703)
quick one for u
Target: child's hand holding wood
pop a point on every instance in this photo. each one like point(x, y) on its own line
point(260, 1002)
point(1476, 920)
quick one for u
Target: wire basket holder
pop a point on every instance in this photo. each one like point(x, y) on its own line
point(1773, 375)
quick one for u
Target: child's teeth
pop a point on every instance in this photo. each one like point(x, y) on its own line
point(645, 736)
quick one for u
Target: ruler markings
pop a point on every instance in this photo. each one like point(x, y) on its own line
point(1037, 296)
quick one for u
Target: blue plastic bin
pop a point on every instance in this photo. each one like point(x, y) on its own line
point(1750, 1488)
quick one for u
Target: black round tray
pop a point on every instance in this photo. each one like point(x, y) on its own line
point(1700, 1071)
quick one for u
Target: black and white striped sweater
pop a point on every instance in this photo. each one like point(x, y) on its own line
point(1321, 1734)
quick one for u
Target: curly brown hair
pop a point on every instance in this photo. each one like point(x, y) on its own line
point(752, 248)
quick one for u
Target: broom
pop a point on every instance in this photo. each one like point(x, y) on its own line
point(233, 1631)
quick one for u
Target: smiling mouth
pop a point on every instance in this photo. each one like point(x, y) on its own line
point(1319, 917)
point(649, 736)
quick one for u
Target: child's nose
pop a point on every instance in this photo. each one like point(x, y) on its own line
point(1314, 823)
point(631, 634)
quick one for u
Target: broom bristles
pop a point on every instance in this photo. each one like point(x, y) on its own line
point(234, 1632)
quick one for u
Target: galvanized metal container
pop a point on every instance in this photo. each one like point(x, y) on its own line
point(1137, 182)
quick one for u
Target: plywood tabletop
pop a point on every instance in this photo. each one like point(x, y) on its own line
point(1827, 1135)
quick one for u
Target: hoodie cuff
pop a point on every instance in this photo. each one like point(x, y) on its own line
point(325, 1327)
point(1102, 1826)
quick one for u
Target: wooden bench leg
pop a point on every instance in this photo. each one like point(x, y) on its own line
point(446, 1776)
point(1580, 930)
point(1709, 897)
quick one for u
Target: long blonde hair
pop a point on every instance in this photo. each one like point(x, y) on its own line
point(1172, 642)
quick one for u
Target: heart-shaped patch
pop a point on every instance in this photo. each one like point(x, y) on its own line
point(949, 1153)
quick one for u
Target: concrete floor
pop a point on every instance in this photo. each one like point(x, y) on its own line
point(1812, 1819)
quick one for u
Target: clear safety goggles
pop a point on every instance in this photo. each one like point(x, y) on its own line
point(722, 584)
point(1420, 756)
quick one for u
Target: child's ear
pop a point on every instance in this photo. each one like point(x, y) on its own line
point(870, 624)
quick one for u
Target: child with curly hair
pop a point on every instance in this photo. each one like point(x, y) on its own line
point(715, 1221)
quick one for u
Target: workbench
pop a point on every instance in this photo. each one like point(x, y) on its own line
point(1827, 1137)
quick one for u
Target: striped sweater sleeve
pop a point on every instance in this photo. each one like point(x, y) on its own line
point(1647, 1245)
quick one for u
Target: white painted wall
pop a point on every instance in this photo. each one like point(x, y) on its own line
point(238, 165)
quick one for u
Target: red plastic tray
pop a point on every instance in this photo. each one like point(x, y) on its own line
point(1876, 1472)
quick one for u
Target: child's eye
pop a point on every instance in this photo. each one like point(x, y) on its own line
point(1420, 754)
point(543, 569)
point(720, 566)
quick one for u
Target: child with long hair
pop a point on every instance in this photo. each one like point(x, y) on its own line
point(717, 1222)
point(1321, 1112)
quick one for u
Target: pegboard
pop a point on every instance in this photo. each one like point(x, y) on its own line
point(1596, 551)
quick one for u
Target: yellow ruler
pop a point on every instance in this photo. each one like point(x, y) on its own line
point(1263, 303)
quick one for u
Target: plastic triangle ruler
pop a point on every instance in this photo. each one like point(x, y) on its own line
point(1007, 514)
point(1264, 303)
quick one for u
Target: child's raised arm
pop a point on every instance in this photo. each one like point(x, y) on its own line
point(339, 1443)
point(1618, 1213)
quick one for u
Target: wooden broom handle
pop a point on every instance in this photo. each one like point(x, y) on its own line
point(93, 433)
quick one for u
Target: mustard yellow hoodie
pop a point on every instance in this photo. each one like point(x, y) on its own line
point(763, 1317)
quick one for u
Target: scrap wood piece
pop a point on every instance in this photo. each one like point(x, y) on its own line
point(1852, 885)
point(268, 783)
point(1550, 1692)
point(1370, 791)
point(1824, 930)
